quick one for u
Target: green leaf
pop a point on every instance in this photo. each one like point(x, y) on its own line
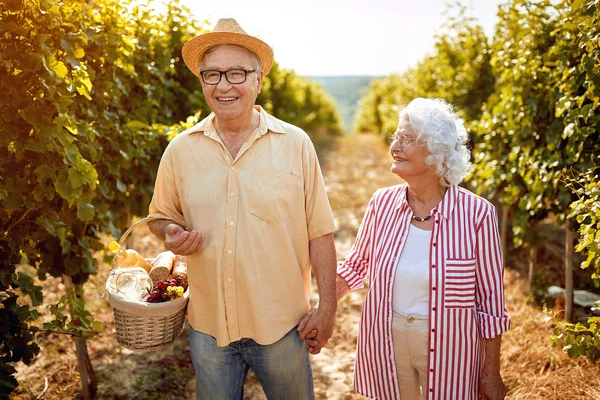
point(85, 211)
point(55, 66)
point(32, 62)
point(98, 326)
point(63, 187)
point(27, 287)
point(136, 125)
point(44, 173)
point(78, 51)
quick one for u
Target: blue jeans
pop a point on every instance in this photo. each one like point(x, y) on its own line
point(282, 368)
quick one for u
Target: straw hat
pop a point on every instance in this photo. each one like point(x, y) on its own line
point(227, 31)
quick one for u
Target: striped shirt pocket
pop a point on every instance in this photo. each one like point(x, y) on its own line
point(459, 288)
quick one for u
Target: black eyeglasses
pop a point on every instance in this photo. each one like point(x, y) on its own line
point(234, 76)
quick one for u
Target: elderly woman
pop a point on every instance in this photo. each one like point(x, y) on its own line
point(433, 318)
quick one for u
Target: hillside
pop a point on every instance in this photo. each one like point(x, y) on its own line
point(346, 91)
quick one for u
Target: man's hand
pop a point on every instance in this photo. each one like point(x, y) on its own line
point(182, 242)
point(318, 323)
point(491, 386)
point(316, 328)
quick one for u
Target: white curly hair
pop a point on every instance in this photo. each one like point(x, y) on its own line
point(443, 131)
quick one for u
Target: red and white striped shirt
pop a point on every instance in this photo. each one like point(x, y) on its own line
point(466, 291)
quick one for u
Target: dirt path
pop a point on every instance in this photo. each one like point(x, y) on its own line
point(353, 171)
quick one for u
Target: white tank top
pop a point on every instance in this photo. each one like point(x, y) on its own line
point(410, 294)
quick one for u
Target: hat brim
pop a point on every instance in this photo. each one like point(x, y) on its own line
point(194, 49)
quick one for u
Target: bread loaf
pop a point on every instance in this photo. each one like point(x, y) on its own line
point(161, 268)
point(180, 270)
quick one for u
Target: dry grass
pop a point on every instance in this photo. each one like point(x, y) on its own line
point(358, 166)
point(530, 367)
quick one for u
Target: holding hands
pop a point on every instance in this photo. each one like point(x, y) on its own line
point(316, 328)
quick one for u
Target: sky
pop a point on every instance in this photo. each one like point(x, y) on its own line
point(343, 37)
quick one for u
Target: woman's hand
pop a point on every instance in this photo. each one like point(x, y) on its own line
point(491, 386)
point(316, 328)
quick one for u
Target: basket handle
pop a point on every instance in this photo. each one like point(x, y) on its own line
point(128, 231)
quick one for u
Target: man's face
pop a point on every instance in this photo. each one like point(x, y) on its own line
point(231, 101)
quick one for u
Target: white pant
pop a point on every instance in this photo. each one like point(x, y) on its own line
point(410, 337)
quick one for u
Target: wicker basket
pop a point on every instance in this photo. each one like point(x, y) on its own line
point(143, 332)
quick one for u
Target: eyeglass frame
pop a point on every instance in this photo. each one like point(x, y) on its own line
point(221, 73)
point(406, 141)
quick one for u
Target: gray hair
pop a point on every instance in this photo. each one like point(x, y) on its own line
point(257, 65)
point(443, 131)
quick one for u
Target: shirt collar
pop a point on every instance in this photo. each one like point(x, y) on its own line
point(444, 207)
point(268, 123)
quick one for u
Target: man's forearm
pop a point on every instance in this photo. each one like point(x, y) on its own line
point(323, 260)
point(159, 227)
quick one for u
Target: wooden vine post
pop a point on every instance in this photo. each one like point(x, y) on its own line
point(569, 273)
point(532, 257)
point(89, 382)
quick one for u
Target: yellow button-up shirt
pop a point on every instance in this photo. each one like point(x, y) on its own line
point(251, 278)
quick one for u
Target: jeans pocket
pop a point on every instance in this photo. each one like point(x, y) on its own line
point(272, 195)
point(459, 283)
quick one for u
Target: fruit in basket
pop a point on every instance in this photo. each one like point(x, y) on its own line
point(175, 291)
point(166, 290)
point(128, 258)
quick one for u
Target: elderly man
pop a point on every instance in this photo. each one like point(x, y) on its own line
point(242, 195)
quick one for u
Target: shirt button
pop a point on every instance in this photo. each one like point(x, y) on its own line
point(233, 193)
point(431, 390)
point(434, 288)
point(434, 244)
point(231, 223)
point(432, 265)
point(433, 330)
point(228, 279)
point(431, 350)
point(229, 251)
point(432, 308)
point(431, 370)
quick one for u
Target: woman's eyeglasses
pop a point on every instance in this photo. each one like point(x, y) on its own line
point(402, 139)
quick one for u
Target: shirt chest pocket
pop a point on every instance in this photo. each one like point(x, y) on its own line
point(271, 195)
point(459, 283)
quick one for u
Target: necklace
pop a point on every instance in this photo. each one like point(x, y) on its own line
point(427, 217)
point(419, 219)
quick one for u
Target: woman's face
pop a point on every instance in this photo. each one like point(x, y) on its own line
point(409, 155)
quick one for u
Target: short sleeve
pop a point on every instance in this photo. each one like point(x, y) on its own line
point(319, 219)
point(165, 202)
